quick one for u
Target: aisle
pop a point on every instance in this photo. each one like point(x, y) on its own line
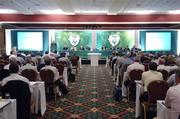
point(90, 97)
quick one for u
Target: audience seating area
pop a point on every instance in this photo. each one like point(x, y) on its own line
point(126, 70)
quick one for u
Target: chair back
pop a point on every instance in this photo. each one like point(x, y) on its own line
point(157, 90)
point(165, 74)
point(123, 69)
point(47, 76)
point(60, 68)
point(4, 73)
point(146, 65)
point(19, 90)
point(29, 74)
point(1, 65)
point(136, 74)
point(74, 62)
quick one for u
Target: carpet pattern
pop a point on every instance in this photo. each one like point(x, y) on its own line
point(90, 97)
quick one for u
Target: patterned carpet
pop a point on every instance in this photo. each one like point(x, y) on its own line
point(90, 97)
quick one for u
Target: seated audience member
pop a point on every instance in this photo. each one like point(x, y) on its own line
point(120, 60)
point(40, 63)
point(29, 64)
point(172, 99)
point(64, 58)
point(14, 70)
point(148, 77)
point(47, 61)
point(134, 49)
point(113, 61)
point(168, 68)
point(156, 60)
point(65, 47)
point(172, 80)
point(12, 59)
point(126, 50)
point(126, 78)
point(87, 47)
point(144, 58)
point(45, 54)
point(162, 66)
point(135, 65)
point(103, 47)
point(60, 85)
point(177, 60)
point(127, 59)
point(81, 48)
point(20, 58)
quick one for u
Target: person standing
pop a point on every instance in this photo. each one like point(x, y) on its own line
point(172, 99)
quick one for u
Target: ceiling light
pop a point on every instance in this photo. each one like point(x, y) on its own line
point(7, 11)
point(56, 11)
point(91, 12)
point(111, 13)
point(141, 11)
point(174, 12)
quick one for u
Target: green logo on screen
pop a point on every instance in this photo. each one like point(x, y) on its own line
point(114, 39)
point(74, 39)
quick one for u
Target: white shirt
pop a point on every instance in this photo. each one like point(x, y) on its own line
point(171, 80)
point(135, 65)
point(167, 68)
point(149, 76)
point(54, 69)
point(163, 67)
point(173, 100)
point(65, 59)
point(6, 67)
point(29, 66)
point(171, 68)
point(13, 77)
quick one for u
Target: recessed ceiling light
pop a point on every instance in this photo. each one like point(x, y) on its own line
point(7, 11)
point(55, 11)
point(111, 13)
point(141, 11)
point(92, 12)
point(174, 12)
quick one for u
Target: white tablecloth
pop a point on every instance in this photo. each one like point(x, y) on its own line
point(9, 111)
point(139, 91)
point(162, 111)
point(107, 62)
point(165, 113)
point(65, 76)
point(124, 89)
point(80, 63)
point(39, 96)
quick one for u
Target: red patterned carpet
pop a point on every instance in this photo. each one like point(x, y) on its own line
point(90, 97)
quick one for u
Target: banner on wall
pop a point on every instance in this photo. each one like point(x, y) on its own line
point(112, 39)
point(73, 39)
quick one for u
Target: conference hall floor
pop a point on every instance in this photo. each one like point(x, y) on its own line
point(90, 97)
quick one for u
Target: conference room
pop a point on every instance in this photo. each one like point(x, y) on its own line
point(89, 59)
